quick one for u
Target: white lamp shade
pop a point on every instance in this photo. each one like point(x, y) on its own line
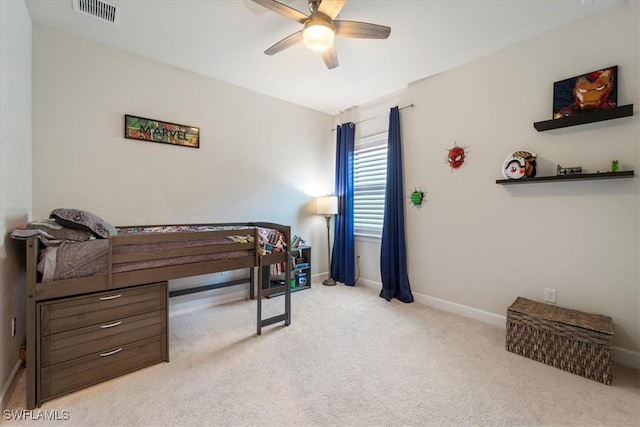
point(327, 205)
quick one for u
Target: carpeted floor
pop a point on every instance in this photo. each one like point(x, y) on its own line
point(349, 358)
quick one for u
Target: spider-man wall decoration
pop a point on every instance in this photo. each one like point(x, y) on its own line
point(456, 156)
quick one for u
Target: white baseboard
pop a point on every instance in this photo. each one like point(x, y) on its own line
point(177, 307)
point(369, 284)
point(190, 303)
point(626, 357)
point(318, 278)
point(622, 356)
point(462, 310)
point(4, 393)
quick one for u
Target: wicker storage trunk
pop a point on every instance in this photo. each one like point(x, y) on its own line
point(578, 342)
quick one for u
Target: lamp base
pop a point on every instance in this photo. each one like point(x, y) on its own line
point(329, 282)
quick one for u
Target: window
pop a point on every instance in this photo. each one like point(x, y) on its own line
point(370, 179)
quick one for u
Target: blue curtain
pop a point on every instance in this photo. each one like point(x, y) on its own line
point(393, 252)
point(343, 254)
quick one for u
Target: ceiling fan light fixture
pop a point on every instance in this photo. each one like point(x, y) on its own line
point(318, 35)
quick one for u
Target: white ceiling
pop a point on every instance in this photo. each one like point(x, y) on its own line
point(225, 40)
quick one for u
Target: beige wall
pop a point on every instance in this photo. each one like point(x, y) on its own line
point(475, 246)
point(260, 159)
point(15, 177)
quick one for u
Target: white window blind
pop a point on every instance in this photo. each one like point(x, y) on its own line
point(370, 179)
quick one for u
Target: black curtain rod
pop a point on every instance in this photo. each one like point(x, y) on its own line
point(379, 115)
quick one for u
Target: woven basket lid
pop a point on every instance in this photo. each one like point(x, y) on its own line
point(593, 322)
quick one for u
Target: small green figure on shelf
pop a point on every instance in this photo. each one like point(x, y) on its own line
point(615, 167)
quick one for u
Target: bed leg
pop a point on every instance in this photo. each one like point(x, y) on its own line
point(259, 302)
point(32, 260)
point(252, 283)
point(287, 295)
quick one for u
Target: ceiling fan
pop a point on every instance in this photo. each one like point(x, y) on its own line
point(320, 28)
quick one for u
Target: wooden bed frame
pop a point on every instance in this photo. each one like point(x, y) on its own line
point(42, 293)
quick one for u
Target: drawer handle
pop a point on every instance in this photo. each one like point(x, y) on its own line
point(111, 325)
point(109, 353)
point(110, 297)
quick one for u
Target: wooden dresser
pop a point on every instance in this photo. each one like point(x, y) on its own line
point(88, 339)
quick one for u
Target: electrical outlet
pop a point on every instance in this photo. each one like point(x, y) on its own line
point(13, 327)
point(549, 295)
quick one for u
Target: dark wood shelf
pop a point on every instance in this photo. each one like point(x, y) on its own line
point(576, 177)
point(301, 251)
point(584, 118)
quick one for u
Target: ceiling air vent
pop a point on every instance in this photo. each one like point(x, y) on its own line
point(98, 9)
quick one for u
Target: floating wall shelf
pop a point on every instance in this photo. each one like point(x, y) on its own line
point(584, 118)
point(576, 177)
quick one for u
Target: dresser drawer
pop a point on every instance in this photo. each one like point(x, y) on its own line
point(57, 348)
point(101, 307)
point(75, 374)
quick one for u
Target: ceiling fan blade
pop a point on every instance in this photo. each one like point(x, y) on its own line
point(257, 9)
point(285, 43)
point(361, 30)
point(330, 57)
point(283, 9)
point(331, 8)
